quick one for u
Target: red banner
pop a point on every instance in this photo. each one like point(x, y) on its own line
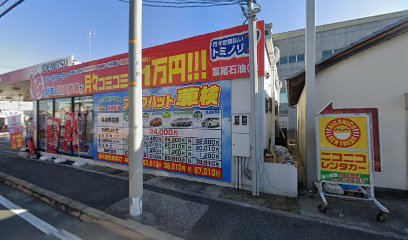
point(16, 137)
point(222, 55)
point(71, 138)
point(53, 134)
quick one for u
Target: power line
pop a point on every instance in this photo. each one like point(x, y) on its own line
point(4, 2)
point(187, 4)
point(11, 8)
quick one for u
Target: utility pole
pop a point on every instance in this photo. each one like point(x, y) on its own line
point(310, 92)
point(135, 109)
point(254, 98)
point(90, 35)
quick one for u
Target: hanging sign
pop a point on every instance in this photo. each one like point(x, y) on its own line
point(344, 148)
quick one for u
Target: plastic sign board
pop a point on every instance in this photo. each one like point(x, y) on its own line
point(186, 129)
point(344, 148)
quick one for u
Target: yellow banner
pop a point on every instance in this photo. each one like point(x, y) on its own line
point(343, 133)
point(346, 162)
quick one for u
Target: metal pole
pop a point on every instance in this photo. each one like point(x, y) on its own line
point(135, 109)
point(254, 98)
point(310, 92)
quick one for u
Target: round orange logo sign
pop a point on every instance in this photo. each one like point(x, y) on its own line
point(342, 132)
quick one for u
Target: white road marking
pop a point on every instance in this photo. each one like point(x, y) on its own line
point(36, 222)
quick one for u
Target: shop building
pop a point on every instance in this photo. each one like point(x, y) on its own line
point(196, 115)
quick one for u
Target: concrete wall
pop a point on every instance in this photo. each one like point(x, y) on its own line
point(375, 78)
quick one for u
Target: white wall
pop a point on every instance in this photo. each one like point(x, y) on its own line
point(375, 78)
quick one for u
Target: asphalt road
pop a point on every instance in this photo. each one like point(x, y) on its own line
point(184, 215)
point(22, 217)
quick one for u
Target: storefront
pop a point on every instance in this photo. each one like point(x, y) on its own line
point(196, 107)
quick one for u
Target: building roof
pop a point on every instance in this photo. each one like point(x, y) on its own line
point(296, 83)
point(338, 25)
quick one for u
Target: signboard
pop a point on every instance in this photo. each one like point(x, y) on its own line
point(16, 137)
point(16, 131)
point(53, 134)
point(187, 129)
point(111, 124)
point(30, 73)
point(222, 55)
point(344, 148)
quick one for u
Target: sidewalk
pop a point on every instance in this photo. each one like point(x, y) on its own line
point(202, 211)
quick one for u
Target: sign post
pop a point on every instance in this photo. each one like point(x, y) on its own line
point(345, 156)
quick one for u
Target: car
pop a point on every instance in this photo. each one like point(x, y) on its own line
point(181, 122)
point(211, 122)
point(155, 122)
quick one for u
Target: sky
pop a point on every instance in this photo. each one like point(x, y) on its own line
point(41, 30)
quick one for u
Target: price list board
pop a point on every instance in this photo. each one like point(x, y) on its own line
point(192, 151)
point(112, 127)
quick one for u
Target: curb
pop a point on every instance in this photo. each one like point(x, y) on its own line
point(126, 228)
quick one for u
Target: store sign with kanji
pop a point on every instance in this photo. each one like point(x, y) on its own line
point(222, 55)
point(344, 149)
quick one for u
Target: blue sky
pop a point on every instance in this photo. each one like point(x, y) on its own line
point(42, 30)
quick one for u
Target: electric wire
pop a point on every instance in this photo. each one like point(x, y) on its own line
point(11, 8)
point(4, 2)
point(187, 4)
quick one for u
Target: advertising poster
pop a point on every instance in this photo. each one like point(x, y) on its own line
point(16, 137)
point(111, 123)
point(53, 133)
point(71, 138)
point(16, 131)
point(187, 129)
point(344, 149)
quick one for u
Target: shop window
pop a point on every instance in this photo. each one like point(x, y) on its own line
point(45, 110)
point(62, 106)
point(83, 106)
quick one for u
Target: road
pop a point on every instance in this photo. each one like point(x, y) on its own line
point(22, 217)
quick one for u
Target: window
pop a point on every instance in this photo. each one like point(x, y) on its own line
point(292, 59)
point(300, 58)
point(83, 106)
point(45, 110)
point(283, 60)
point(329, 53)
